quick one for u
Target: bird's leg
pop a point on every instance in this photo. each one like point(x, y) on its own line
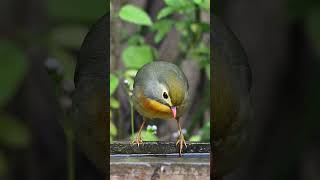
point(138, 139)
point(181, 140)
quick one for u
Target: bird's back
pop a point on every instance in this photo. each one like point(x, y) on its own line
point(153, 72)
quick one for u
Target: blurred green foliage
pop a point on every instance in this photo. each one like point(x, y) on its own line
point(13, 67)
point(307, 12)
point(75, 11)
point(203, 134)
point(136, 56)
point(114, 104)
point(113, 129)
point(113, 83)
point(148, 135)
point(313, 27)
point(13, 133)
point(63, 34)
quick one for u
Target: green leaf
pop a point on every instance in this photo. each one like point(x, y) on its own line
point(113, 129)
point(137, 56)
point(135, 40)
point(181, 26)
point(205, 4)
point(13, 66)
point(114, 103)
point(163, 28)
point(135, 15)
point(195, 27)
point(205, 27)
point(207, 69)
point(179, 3)
point(131, 73)
point(206, 132)
point(146, 136)
point(195, 138)
point(113, 83)
point(13, 133)
point(175, 3)
point(198, 1)
point(165, 12)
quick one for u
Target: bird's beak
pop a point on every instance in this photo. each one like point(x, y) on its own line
point(174, 111)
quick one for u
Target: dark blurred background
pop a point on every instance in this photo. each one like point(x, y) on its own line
point(39, 43)
point(282, 41)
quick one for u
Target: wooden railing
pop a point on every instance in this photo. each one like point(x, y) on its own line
point(159, 160)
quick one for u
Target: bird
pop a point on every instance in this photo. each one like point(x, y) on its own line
point(160, 90)
point(230, 99)
point(89, 101)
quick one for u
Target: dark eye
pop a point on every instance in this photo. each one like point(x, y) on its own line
point(165, 95)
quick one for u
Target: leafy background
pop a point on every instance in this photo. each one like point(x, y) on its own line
point(168, 30)
point(39, 44)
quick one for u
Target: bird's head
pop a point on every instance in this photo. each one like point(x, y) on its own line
point(165, 98)
point(169, 91)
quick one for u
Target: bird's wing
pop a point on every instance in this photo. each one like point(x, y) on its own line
point(231, 84)
point(89, 99)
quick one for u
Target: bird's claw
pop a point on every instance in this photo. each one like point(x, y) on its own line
point(137, 141)
point(182, 142)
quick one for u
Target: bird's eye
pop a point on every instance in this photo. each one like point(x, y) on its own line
point(165, 95)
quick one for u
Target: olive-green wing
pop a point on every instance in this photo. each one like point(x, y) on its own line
point(231, 107)
point(89, 99)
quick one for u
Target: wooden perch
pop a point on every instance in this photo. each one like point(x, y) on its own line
point(159, 160)
point(157, 147)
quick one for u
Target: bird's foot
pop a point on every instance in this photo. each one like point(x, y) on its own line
point(137, 141)
point(181, 142)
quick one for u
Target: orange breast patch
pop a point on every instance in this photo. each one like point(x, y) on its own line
point(155, 107)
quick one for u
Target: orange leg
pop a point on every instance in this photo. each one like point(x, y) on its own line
point(181, 140)
point(138, 139)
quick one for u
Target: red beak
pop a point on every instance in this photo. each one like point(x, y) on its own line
point(174, 111)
